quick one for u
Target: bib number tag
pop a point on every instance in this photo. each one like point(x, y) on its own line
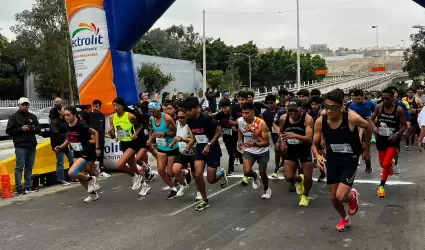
point(249, 139)
point(226, 131)
point(274, 130)
point(293, 141)
point(122, 134)
point(201, 139)
point(384, 131)
point(341, 148)
point(161, 142)
point(77, 146)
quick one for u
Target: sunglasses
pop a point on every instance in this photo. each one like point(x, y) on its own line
point(386, 98)
point(181, 117)
point(332, 108)
point(268, 103)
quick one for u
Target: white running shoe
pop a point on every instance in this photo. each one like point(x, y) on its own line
point(182, 190)
point(256, 183)
point(145, 189)
point(267, 194)
point(91, 197)
point(105, 175)
point(137, 182)
point(92, 185)
point(97, 169)
point(97, 187)
point(397, 169)
point(198, 196)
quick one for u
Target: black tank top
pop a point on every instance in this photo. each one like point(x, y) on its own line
point(341, 143)
point(297, 128)
point(388, 124)
point(413, 103)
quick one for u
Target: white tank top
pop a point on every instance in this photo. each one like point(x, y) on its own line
point(252, 133)
point(183, 132)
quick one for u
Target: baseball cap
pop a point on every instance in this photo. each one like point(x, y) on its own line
point(294, 103)
point(154, 105)
point(23, 100)
point(226, 94)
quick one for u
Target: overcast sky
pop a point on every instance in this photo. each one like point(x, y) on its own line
point(334, 22)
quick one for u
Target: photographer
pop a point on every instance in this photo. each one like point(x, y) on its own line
point(23, 126)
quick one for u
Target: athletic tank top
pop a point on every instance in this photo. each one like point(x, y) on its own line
point(163, 142)
point(184, 133)
point(341, 143)
point(388, 124)
point(252, 133)
point(413, 104)
point(124, 129)
point(297, 128)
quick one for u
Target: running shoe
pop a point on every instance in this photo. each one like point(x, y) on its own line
point(300, 185)
point(304, 201)
point(91, 185)
point(145, 189)
point(381, 191)
point(353, 205)
point(65, 183)
point(368, 169)
point(397, 169)
point(182, 190)
point(30, 190)
point(291, 188)
point(198, 196)
point(137, 182)
point(244, 180)
point(267, 194)
point(172, 194)
point(92, 197)
point(343, 224)
point(96, 187)
point(96, 169)
point(151, 177)
point(275, 175)
point(105, 175)
point(223, 179)
point(256, 182)
point(322, 177)
point(188, 176)
point(202, 205)
point(230, 173)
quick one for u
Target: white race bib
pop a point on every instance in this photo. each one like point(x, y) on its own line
point(161, 142)
point(385, 131)
point(341, 148)
point(249, 139)
point(77, 146)
point(122, 134)
point(274, 130)
point(226, 131)
point(201, 139)
point(293, 141)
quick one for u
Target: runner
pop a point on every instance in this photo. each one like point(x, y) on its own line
point(207, 152)
point(303, 96)
point(184, 164)
point(78, 136)
point(416, 106)
point(316, 103)
point(297, 134)
point(389, 128)
point(281, 110)
point(122, 128)
point(163, 132)
point(253, 140)
point(343, 146)
point(364, 108)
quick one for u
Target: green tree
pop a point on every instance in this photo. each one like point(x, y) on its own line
point(11, 82)
point(415, 55)
point(215, 78)
point(42, 44)
point(153, 78)
point(145, 48)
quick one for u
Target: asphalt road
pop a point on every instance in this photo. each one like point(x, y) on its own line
point(237, 218)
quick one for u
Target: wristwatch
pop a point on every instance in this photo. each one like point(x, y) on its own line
point(209, 144)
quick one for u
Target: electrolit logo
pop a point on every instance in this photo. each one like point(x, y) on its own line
point(94, 39)
point(112, 148)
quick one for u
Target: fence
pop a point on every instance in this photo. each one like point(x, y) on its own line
point(40, 108)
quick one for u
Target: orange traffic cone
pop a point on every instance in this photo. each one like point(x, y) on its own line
point(5, 183)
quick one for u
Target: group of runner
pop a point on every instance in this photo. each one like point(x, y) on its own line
point(307, 130)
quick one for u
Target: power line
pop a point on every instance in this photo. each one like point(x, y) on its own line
point(279, 12)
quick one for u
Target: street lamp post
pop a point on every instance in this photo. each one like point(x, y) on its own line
point(404, 43)
point(249, 65)
point(204, 56)
point(298, 47)
point(377, 40)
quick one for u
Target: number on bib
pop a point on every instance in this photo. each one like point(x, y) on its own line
point(161, 142)
point(226, 131)
point(293, 141)
point(77, 146)
point(341, 148)
point(384, 131)
point(122, 134)
point(201, 139)
point(249, 139)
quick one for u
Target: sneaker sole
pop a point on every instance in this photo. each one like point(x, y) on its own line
point(207, 206)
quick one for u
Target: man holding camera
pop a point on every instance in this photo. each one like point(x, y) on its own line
point(23, 126)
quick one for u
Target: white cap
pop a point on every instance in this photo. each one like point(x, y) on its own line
point(23, 100)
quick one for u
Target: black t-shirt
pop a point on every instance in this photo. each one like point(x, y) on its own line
point(203, 125)
point(223, 119)
point(268, 117)
point(79, 137)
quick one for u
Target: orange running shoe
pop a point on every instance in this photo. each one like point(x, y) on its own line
point(381, 191)
point(353, 205)
point(343, 225)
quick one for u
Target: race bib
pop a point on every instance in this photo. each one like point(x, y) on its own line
point(161, 142)
point(274, 130)
point(293, 141)
point(341, 148)
point(201, 139)
point(77, 146)
point(385, 131)
point(249, 139)
point(226, 131)
point(122, 134)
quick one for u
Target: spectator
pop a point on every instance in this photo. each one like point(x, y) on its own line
point(57, 102)
point(96, 121)
point(57, 138)
point(23, 126)
point(144, 97)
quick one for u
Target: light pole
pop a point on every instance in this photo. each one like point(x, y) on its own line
point(249, 62)
point(298, 47)
point(204, 57)
point(377, 40)
point(404, 43)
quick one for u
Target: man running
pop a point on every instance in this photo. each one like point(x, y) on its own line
point(389, 124)
point(207, 152)
point(416, 106)
point(316, 102)
point(297, 133)
point(343, 146)
point(364, 108)
point(253, 140)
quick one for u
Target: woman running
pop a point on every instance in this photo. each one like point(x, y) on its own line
point(163, 132)
point(122, 128)
point(78, 136)
point(171, 109)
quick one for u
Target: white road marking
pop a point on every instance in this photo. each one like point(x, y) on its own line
point(209, 196)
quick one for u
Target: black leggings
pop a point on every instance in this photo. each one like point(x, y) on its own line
point(230, 141)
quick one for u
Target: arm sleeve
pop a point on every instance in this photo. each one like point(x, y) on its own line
point(12, 127)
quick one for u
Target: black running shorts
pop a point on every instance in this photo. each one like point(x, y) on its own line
point(341, 170)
